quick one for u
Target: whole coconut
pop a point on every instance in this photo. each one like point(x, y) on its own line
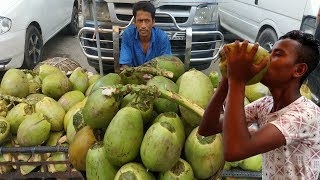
point(34, 130)
point(133, 171)
point(160, 149)
point(205, 154)
point(17, 114)
point(123, 136)
point(78, 149)
point(55, 85)
point(99, 109)
point(181, 170)
point(258, 57)
point(15, 83)
point(97, 165)
point(196, 87)
point(79, 80)
point(53, 111)
point(69, 99)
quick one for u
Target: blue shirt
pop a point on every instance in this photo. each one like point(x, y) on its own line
point(131, 52)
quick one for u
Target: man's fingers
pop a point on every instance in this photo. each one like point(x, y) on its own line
point(244, 46)
point(254, 49)
point(237, 46)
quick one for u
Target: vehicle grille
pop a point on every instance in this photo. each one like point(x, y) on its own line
point(180, 13)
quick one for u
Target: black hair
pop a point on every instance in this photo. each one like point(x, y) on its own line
point(144, 6)
point(308, 53)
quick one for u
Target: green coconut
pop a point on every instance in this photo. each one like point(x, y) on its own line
point(175, 121)
point(34, 130)
point(46, 69)
point(53, 111)
point(79, 80)
point(71, 132)
point(69, 115)
point(15, 83)
point(93, 78)
point(4, 129)
point(99, 109)
point(214, 78)
point(126, 126)
point(97, 165)
point(133, 171)
point(197, 87)
point(160, 104)
point(26, 169)
point(205, 154)
point(256, 91)
point(78, 149)
point(55, 85)
point(71, 98)
point(107, 80)
point(257, 59)
point(18, 114)
point(253, 163)
point(180, 171)
point(169, 63)
point(161, 148)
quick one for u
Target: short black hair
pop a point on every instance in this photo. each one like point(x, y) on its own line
point(308, 53)
point(144, 6)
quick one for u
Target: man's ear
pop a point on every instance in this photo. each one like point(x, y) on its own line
point(300, 69)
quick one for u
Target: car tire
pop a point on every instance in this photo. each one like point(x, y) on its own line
point(73, 27)
point(33, 47)
point(267, 39)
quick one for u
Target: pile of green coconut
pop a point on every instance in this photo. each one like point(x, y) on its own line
point(139, 124)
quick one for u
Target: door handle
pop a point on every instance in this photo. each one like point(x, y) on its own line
point(256, 2)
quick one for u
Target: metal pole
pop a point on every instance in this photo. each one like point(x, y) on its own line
point(94, 14)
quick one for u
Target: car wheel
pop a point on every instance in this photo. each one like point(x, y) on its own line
point(73, 27)
point(33, 48)
point(267, 39)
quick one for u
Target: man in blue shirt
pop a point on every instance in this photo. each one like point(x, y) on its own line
point(142, 41)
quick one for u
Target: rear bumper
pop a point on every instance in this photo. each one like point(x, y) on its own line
point(197, 46)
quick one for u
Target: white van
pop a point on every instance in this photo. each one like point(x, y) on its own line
point(264, 21)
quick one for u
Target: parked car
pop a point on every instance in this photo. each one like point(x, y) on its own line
point(193, 37)
point(26, 25)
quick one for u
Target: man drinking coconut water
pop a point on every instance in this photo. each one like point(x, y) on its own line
point(289, 124)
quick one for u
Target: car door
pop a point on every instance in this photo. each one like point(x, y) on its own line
point(66, 15)
point(240, 17)
point(51, 17)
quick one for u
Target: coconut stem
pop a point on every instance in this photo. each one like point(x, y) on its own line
point(149, 70)
point(154, 92)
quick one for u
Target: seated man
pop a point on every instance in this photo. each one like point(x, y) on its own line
point(142, 41)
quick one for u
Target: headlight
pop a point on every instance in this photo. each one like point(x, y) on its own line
point(102, 11)
point(308, 25)
point(5, 25)
point(206, 14)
